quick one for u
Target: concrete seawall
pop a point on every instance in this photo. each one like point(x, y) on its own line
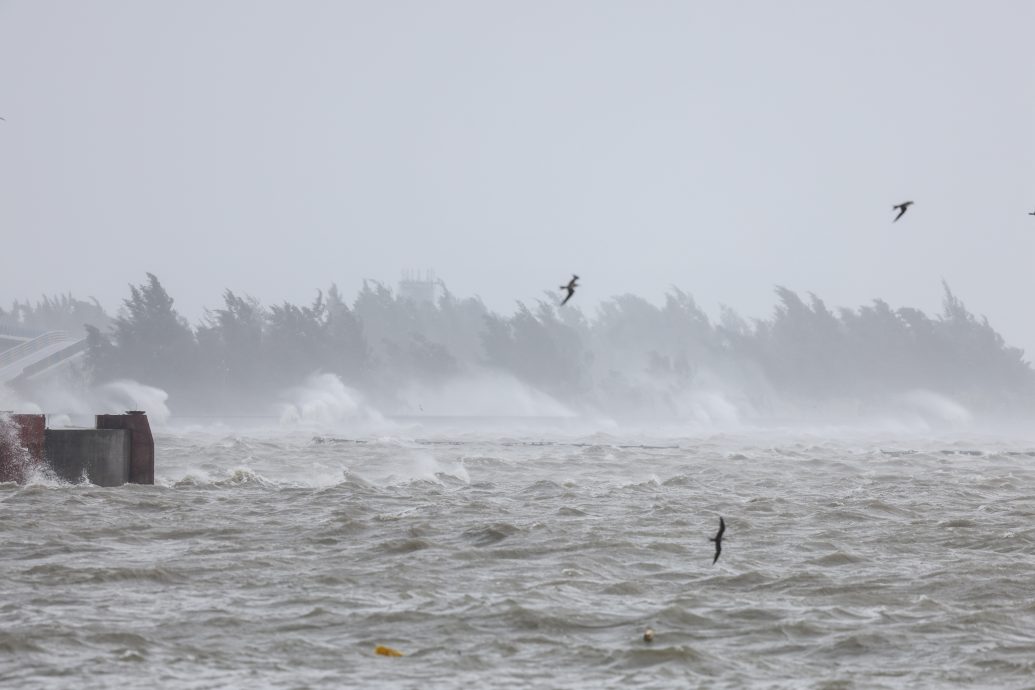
point(99, 455)
point(121, 449)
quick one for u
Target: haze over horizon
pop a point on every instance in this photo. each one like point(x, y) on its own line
point(274, 149)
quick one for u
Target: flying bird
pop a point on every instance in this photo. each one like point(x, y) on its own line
point(901, 209)
point(718, 539)
point(1032, 213)
point(570, 287)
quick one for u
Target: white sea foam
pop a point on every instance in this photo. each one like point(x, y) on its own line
point(73, 406)
point(873, 549)
point(937, 409)
point(485, 394)
point(323, 402)
point(118, 396)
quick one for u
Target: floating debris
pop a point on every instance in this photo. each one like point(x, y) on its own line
point(386, 651)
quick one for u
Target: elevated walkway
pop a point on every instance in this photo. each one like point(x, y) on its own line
point(12, 336)
point(42, 353)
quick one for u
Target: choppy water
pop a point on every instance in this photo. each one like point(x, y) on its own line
point(281, 559)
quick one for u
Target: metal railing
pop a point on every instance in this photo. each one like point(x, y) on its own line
point(8, 357)
point(19, 332)
point(54, 358)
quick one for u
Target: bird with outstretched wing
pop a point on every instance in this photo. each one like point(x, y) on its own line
point(718, 539)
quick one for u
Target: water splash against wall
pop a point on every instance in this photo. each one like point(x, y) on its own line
point(72, 406)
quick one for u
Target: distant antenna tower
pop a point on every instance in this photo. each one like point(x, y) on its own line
point(419, 287)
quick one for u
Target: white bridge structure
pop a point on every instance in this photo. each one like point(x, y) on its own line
point(36, 355)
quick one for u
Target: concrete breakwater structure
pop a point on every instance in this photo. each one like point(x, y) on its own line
point(119, 450)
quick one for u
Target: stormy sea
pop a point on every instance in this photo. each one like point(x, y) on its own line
point(529, 554)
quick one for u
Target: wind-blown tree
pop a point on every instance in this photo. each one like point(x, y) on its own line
point(874, 351)
point(384, 318)
point(348, 354)
point(978, 357)
point(670, 342)
point(691, 335)
point(59, 313)
point(802, 347)
point(152, 342)
point(296, 342)
point(231, 342)
point(248, 351)
point(629, 327)
point(879, 345)
point(541, 349)
point(457, 324)
point(409, 339)
point(418, 359)
point(647, 357)
point(102, 357)
point(632, 356)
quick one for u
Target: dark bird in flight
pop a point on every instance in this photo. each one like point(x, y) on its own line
point(901, 209)
point(718, 539)
point(570, 287)
point(1032, 213)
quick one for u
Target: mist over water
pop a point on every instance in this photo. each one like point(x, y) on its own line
point(484, 393)
point(325, 402)
point(388, 355)
point(64, 403)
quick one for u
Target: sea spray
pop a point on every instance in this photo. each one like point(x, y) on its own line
point(127, 394)
point(70, 406)
point(324, 402)
point(14, 458)
point(706, 409)
point(937, 409)
point(483, 394)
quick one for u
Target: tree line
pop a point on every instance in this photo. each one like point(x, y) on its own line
point(632, 356)
point(58, 313)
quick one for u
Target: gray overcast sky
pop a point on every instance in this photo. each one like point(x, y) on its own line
point(722, 147)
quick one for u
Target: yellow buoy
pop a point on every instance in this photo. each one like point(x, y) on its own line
point(386, 651)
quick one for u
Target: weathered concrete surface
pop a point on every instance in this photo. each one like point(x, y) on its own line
point(142, 460)
point(103, 454)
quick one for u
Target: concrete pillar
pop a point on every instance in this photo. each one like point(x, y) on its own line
point(142, 455)
point(101, 454)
